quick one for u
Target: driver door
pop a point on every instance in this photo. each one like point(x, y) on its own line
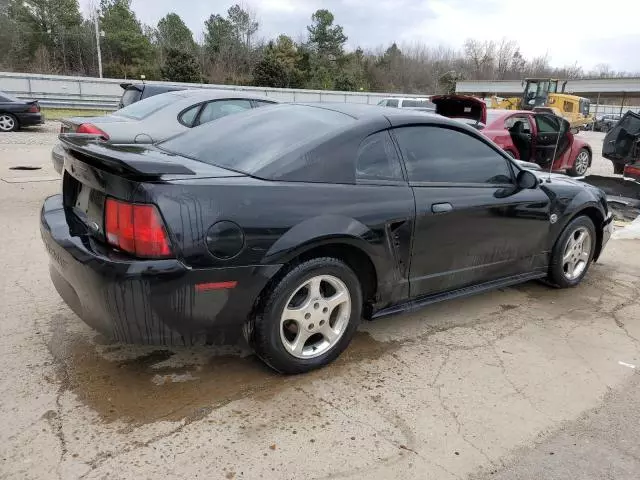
point(551, 139)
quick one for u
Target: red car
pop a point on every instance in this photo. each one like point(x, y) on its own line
point(526, 135)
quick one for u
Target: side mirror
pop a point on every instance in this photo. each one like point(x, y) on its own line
point(527, 180)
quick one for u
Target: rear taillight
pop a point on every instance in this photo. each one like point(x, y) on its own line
point(93, 130)
point(136, 228)
point(632, 170)
point(34, 108)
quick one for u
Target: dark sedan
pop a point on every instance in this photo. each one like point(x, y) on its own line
point(291, 223)
point(16, 113)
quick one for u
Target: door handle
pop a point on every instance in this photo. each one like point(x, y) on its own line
point(441, 207)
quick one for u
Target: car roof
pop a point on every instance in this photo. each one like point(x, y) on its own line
point(212, 93)
point(395, 116)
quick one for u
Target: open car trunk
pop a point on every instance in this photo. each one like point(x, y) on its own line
point(622, 143)
point(461, 107)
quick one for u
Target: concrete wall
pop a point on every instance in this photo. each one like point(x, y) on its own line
point(87, 92)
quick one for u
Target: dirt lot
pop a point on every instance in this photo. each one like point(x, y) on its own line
point(525, 382)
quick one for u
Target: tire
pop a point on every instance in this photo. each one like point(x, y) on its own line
point(581, 164)
point(8, 123)
point(570, 250)
point(618, 168)
point(276, 339)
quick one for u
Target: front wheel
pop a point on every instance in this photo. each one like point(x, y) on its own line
point(573, 253)
point(309, 317)
point(580, 164)
point(8, 123)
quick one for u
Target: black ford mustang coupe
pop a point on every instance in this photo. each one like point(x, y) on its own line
point(290, 223)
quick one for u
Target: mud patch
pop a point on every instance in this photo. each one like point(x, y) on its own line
point(143, 389)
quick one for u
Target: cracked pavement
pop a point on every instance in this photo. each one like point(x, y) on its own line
point(483, 387)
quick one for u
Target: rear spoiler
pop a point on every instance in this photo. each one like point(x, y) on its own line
point(126, 85)
point(137, 161)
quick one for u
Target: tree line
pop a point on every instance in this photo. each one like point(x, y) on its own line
point(52, 36)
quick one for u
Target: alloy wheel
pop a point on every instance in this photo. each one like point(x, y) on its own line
point(7, 123)
point(315, 317)
point(582, 163)
point(576, 255)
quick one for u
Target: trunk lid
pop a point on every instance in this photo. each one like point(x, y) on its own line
point(461, 107)
point(622, 143)
point(94, 171)
point(71, 124)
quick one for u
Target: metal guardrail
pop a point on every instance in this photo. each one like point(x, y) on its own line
point(104, 93)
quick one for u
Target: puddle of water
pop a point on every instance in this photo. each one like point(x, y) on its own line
point(143, 389)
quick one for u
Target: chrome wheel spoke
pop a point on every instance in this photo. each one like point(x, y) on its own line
point(296, 314)
point(314, 288)
point(338, 299)
point(298, 344)
point(329, 333)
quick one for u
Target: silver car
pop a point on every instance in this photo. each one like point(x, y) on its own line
point(157, 118)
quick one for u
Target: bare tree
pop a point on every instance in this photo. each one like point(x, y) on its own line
point(507, 50)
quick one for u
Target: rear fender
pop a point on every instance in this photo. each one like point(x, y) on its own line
point(340, 230)
point(320, 231)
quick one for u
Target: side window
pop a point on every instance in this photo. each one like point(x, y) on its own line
point(511, 121)
point(437, 154)
point(221, 108)
point(392, 102)
point(546, 124)
point(189, 116)
point(382, 103)
point(377, 158)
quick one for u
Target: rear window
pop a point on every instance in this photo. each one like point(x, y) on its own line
point(418, 103)
point(130, 95)
point(5, 97)
point(146, 107)
point(252, 141)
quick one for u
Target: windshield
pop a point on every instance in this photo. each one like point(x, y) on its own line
point(146, 107)
point(250, 141)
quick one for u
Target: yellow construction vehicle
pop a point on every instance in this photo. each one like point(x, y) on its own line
point(546, 92)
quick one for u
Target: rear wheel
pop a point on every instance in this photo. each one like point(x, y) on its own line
point(309, 317)
point(573, 253)
point(8, 123)
point(580, 164)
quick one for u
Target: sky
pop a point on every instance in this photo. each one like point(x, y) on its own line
point(568, 31)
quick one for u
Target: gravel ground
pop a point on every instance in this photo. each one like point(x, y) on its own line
point(486, 386)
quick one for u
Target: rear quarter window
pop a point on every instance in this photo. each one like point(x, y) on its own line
point(273, 143)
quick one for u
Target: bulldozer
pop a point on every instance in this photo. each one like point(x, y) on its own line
point(548, 92)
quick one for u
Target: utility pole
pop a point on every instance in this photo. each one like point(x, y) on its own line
point(97, 25)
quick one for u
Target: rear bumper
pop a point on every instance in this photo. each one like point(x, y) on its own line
point(146, 301)
point(30, 119)
point(57, 157)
